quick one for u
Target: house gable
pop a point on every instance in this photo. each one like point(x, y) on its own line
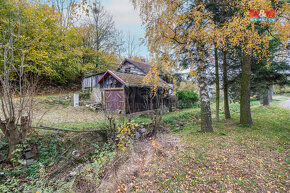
point(110, 80)
point(130, 66)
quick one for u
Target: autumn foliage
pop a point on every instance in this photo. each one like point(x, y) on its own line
point(187, 29)
point(55, 50)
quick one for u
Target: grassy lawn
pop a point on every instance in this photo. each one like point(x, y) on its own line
point(232, 159)
point(57, 111)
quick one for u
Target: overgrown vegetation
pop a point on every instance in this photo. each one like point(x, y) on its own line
point(58, 154)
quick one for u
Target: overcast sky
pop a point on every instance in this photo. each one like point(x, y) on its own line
point(127, 19)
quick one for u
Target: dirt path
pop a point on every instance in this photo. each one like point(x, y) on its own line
point(285, 104)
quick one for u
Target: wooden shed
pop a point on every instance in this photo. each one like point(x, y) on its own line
point(127, 93)
point(91, 82)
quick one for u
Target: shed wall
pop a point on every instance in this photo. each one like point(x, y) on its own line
point(91, 81)
point(96, 95)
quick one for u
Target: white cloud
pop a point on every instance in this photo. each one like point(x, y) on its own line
point(123, 12)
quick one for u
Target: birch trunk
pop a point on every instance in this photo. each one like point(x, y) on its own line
point(206, 122)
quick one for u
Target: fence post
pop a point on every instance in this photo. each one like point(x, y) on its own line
point(76, 100)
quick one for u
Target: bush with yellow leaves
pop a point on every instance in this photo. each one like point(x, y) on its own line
point(125, 134)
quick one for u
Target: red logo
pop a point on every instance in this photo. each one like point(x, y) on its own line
point(262, 13)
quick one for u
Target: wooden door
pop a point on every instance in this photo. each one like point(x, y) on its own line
point(114, 99)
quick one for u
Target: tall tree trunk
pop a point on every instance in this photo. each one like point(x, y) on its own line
point(245, 108)
point(266, 97)
point(13, 142)
point(13, 139)
point(217, 83)
point(226, 86)
point(271, 90)
point(206, 122)
point(14, 135)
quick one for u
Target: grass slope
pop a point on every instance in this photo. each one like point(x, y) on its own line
point(233, 158)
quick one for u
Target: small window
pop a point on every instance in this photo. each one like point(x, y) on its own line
point(127, 69)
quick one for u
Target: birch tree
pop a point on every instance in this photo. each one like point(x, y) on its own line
point(173, 26)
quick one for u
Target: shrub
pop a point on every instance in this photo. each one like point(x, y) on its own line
point(85, 94)
point(182, 116)
point(125, 134)
point(281, 90)
point(186, 98)
point(254, 98)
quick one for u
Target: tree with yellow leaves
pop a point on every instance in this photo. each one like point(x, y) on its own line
point(241, 32)
point(26, 31)
point(175, 26)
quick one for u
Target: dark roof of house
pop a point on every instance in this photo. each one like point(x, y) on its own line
point(132, 79)
point(142, 66)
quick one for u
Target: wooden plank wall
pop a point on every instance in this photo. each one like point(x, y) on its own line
point(110, 82)
point(91, 81)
